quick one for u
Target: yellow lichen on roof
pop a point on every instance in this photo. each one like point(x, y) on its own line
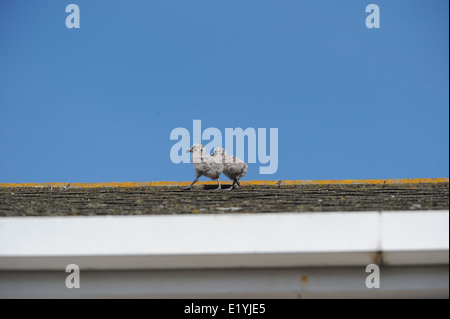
point(254, 182)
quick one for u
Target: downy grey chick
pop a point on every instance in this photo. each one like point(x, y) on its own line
point(234, 168)
point(204, 164)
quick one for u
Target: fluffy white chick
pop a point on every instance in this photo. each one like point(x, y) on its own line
point(205, 164)
point(234, 168)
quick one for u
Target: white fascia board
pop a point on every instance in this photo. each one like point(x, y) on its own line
point(414, 231)
point(221, 241)
point(188, 234)
point(415, 238)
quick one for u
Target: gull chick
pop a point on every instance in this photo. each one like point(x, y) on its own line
point(234, 168)
point(205, 164)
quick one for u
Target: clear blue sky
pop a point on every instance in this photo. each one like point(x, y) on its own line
point(97, 104)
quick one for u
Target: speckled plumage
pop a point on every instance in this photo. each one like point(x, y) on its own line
point(205, 164)
point(234, 168)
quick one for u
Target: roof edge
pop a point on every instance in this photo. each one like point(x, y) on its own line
point(244, 183)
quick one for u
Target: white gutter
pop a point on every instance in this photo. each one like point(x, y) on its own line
point(225, 241)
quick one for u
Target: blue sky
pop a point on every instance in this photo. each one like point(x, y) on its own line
point(97, 104)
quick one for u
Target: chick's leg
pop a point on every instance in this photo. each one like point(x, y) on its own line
point(219, 188)
point(232, 186)
point(195, 181)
